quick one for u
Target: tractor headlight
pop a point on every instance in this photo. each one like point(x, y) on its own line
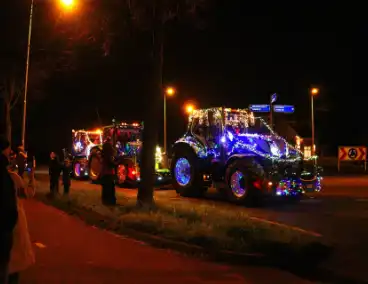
point(275, 151)
point(158, 155)
point(78, 147)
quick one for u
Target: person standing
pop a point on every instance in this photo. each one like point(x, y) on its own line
point(8, 210)
point(21, 160)
point(67, 168)
point(108, 174)
point(54, 173)
point(22, 254)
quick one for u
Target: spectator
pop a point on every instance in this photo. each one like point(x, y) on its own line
point(8, 210)
point(67, 168)
point(21, 160)
point(54, 173)
point(22, 255)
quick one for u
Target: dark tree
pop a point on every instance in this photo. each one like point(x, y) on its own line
point(153, 17)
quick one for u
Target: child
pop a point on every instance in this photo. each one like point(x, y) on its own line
point(66, 175)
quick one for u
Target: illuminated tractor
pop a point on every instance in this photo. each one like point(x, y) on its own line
point(127, 139)
point(238, 154)
point(82, 143)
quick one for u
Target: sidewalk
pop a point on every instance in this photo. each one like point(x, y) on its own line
point(68, 251)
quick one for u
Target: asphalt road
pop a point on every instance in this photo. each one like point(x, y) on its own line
point(339, 214)
point(68, 251)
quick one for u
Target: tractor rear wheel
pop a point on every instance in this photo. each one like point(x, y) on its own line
point(94, 166)
point(244, 180)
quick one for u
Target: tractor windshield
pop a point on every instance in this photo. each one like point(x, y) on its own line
point(237, 122)
point(80, 143)
point(259, 127)
point(127, 135)
point(95, 138)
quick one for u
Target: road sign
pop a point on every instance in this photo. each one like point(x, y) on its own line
point(284, 108)
point(260, 108)
point(352, 153)
point(273, 98)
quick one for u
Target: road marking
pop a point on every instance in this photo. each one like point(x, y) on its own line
point(286, 226)
point(40, 245)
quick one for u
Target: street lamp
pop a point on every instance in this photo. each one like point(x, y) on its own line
point(65, 4)
point(189, 108)
point(314, 92)
point(169, 92)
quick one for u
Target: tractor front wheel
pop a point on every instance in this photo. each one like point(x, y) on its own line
point(186, 173)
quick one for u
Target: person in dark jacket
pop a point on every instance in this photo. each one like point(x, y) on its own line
point(67, 168)
point(108, 174)
point(54, 173)
point(21, 160)
point(8, 210)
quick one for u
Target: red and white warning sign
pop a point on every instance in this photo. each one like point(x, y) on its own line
point(347, 153)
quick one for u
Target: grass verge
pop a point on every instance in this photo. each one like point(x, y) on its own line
point(211, 227)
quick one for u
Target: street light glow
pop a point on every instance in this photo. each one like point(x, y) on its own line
point(67, 3)
point(189, 108)
point(170, 91)
point(314, 91)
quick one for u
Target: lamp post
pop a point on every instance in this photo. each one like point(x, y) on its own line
point(169, 92)
point(26, 76)
point(314, 92)
point(65, 4)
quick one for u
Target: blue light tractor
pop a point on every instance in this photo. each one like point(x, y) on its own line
point(241, 156)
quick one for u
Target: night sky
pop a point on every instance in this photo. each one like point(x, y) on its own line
point(234, 54)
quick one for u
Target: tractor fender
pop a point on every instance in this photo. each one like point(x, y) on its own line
point(95, 149)
point(183, 146)
point(235, 157)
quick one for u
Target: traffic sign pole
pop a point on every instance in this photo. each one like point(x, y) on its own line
point(273, 99)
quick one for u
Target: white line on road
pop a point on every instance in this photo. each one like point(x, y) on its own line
point(40, 245)
point(286, 226)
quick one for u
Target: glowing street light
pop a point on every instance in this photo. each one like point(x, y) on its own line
point(169, 92)
point(67, 3)
point(189, 108)
point(314, 92)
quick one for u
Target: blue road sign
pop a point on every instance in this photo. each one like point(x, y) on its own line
point(284, 108)
point(273, 98)
point(260, 108)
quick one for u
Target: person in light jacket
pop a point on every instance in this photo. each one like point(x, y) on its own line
point(22, 254)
